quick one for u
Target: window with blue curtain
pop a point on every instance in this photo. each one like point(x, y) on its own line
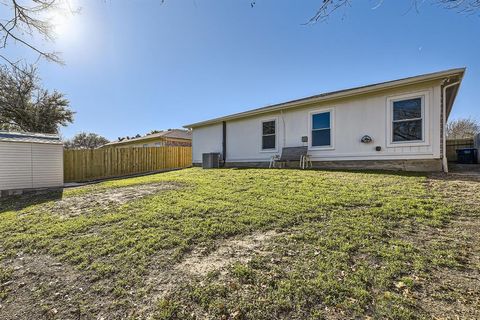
point(321, 130)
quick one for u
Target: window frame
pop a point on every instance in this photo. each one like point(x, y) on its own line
point(332, 129)
point(425, 105)
point(262, 121)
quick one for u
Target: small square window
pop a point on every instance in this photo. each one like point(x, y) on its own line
point(269, 127)
point(268, 142)
point(321, 121)
point(321, 137)
point(407, 130)
point(407, 109)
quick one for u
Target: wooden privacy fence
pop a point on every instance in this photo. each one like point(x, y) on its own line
point(453, 145)
point(83, 165)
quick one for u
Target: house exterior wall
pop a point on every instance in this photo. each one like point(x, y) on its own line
point(205, 140)
point(352, 118)
point(30, 165)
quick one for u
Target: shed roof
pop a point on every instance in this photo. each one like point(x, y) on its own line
point(446, 74)
point(11, 136)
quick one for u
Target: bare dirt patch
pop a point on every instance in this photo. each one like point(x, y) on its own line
point(227, 252)
point(103, 200)
point(164, 278)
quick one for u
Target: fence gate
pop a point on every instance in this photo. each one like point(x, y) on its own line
point(453, 145)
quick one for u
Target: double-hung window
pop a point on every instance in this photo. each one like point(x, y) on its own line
point(407, 120)
point(269, 131)
point(321, 129)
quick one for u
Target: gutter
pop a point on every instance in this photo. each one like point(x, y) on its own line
point(444, 131)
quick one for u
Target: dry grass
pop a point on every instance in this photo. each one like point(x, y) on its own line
point(245, 244)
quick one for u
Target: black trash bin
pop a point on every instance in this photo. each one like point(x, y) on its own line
point(467, 155)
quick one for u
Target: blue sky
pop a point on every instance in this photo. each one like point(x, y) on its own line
point(134, 66)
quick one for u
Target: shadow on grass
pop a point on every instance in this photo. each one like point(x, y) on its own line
point(19, 202)
point(455, 176)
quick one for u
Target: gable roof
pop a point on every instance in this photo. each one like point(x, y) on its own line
point(166, 134)
point(12, 136)
point(458, 72)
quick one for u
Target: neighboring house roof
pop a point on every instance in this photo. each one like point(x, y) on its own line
point(167, 134)
point(338, 94)
point(31, 137)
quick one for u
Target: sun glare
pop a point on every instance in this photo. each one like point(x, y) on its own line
point(62, 16)
point(61, 21)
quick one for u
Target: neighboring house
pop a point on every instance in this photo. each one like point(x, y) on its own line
point(171, 137)
point(29, 161)
point(404, 119)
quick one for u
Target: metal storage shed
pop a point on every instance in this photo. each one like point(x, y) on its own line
point(30, 161)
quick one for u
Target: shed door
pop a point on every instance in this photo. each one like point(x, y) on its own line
point(47, 165)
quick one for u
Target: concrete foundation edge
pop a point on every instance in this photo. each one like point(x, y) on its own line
point(424, 165)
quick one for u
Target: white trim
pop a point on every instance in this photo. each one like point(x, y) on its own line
point(336, 95)
point(332, 129)
point(276, 135)
point(426, 106)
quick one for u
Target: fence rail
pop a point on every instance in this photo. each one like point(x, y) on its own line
point(453, 145)
point(84, 165)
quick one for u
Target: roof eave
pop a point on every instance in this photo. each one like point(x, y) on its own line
point(140, 140)
point(335, 95)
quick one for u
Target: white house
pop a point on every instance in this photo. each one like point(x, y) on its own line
point(404, 120)
point(29, 161)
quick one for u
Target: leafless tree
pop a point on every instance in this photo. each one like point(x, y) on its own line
point(328, 7)
point(462, 128)
point(21, 21)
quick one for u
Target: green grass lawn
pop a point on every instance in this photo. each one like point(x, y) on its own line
point(244, 244)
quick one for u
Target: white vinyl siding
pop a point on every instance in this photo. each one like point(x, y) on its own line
point(351, 119)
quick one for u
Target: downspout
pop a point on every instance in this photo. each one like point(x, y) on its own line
point(224, 142)
point(284, 133)
point(444, 131)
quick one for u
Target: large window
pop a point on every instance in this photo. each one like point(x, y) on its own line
point(321, 129)
point(269, 135)
point(407, 120)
